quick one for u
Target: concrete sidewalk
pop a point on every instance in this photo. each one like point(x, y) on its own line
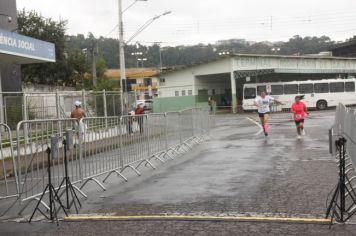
point(237, 172)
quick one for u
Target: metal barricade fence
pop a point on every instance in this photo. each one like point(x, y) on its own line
point(173, 131)
point(186, 125)
point(8, 171)
point(135, 148)
point(100, 147)
point(345, 126)
point(33, 140)
point(156, 128)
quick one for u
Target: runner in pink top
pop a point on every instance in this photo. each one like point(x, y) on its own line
point(299, 109)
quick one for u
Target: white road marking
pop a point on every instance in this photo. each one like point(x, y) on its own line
point(257, 124)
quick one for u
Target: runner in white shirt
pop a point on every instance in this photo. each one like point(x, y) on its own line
point(263, 103)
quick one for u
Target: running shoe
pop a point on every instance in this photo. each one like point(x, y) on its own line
point(299, 137)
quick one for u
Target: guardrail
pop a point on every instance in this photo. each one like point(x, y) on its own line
point(8, 171)
point(342, 140)
point(102, 146)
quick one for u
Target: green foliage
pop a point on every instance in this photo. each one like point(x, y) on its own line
point(100, 67)
point(107, 84)
point(70, 65)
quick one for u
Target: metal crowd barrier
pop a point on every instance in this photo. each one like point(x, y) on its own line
point(345, 125)
point(33, 141)
point(8, 171)
point(102, 146)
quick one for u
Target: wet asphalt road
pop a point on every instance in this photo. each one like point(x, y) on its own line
point(237, 171)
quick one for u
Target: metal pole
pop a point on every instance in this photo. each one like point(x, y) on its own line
point(1, 103)
point(94, 65)
point(83, 100)
point(160, 58)
point(25, 116)
point(122, 57)
point(105, 108)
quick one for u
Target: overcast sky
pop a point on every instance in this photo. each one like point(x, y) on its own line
point(205, 21)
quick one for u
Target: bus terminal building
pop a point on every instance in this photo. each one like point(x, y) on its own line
point(223, 79)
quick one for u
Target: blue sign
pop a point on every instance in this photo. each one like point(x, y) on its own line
point(23, 46)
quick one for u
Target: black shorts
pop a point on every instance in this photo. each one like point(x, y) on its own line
point(262, 114)
point(297, 122)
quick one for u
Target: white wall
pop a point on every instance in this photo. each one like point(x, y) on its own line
point(177, 81)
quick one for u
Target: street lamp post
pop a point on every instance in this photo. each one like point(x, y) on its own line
point(136, 54)
point(122, 44)
point(142, 60)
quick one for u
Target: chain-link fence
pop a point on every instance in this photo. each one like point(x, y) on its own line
point(18, 106)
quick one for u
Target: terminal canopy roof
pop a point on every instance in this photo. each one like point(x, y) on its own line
point(20, 49)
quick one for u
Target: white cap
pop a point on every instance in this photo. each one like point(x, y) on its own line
point(77, 103)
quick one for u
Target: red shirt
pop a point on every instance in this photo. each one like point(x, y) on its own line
point(139, 111)
point(299, 111)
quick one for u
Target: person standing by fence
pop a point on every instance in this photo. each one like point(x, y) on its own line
point(211, 104)
point(140, 112)
point(78, 113)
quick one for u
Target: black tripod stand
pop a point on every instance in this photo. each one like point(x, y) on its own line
point(68, 185)
point(339, 209)
point(53, 196)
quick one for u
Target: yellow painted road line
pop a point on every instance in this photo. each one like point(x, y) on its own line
point(72, 218)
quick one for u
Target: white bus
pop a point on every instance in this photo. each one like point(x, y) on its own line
point(319, 94)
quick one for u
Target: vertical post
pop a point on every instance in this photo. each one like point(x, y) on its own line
point(94, 63)
point(24, 101)
point(25, 116)
point(58, 114)
point(122, 56)
point(121, 125)
point(160, 58)
point(233, 87)
point(83, 100)
point(342, 178)
point(1, 103)
point(166, 130)
point(105, 108)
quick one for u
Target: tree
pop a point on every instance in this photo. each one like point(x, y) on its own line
point(100, 67)
point(62, 72)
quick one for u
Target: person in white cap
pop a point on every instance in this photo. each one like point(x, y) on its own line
point(78, 113)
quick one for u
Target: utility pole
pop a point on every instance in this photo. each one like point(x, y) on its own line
point(94, 64)
point(122, 57)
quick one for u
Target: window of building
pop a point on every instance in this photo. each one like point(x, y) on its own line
point(276, 89)
point(249, 93)
point(190, 92)
point(183, 92)
point(147, 81)
point(213, 92)
point(162, 81)
point(350, 87)
point(291, 89)
point(176, 93)
point(202, 92)
point(338, 87)
point(306, 88)
point(321, 88)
